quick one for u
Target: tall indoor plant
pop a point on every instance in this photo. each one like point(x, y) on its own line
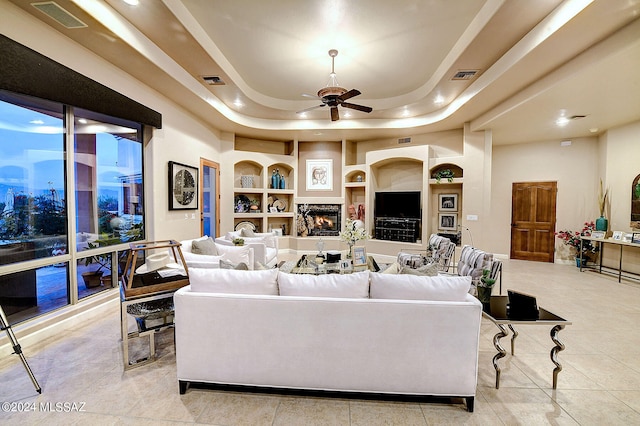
point(602, 223)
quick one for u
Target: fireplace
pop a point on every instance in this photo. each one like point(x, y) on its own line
point(319, 220)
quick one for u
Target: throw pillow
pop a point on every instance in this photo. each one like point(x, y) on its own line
point(235, 254)
point(430, 270)
point(231, 235)
point(247, 232)
point(413, 287)
point(225, 264)
point(206, 247)
point(354, 285)
point(231, 281)
point(394, 268)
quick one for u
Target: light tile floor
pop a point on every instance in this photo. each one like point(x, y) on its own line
point(600, 382)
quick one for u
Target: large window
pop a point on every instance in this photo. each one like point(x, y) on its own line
point(106, 193)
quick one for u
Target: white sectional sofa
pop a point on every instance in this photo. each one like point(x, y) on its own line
point(258, 252)
point(364, 332)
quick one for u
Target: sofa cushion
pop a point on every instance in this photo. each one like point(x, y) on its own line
point(234, 281)
point(414, 287)
point(354, 285)
point(206, 247)
point(235, 254)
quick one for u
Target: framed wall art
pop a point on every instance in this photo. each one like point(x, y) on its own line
point(320, 175)
point(448, 221)
point(183, 186)
point(448, 202)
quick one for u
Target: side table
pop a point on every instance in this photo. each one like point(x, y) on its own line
point(497, 314)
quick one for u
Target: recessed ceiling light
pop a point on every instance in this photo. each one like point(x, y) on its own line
point(302, 114)
point(562, 121)
point(593, 130)
point(132, 2)
point(238, 103)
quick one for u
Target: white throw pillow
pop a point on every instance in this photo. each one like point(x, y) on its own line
point(232, 281)
point(235, 254)
point(354, 285)
point(415, 287)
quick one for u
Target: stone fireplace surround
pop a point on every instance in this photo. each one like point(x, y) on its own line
point(319, 220)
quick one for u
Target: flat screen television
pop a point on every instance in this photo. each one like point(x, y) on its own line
point(404, 204)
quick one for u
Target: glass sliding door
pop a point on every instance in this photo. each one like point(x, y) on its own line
point(33, 214)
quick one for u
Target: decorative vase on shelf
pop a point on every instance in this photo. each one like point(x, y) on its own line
point(602, 223)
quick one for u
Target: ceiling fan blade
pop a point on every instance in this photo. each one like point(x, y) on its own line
point(350, 94)
point(334, 113)
point(309, 109)
point(358, 107)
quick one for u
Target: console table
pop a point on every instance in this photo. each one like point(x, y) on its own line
point(604, 241)
point(497, 314)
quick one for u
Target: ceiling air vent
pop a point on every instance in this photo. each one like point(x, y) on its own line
point(59, 14)
point(404, 140)
point(465, 74)
point(213, 80)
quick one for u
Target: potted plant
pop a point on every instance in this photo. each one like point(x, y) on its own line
point(584, 250)
point(602, 224)
point(444, 173)
point(484, 288)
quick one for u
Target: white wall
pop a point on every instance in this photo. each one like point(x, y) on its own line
point(574, 168)
point(182, 138)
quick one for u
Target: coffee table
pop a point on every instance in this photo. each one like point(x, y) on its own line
point(497, 314)
point(307, 265)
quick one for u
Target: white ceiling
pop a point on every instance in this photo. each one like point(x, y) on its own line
point(536, 59)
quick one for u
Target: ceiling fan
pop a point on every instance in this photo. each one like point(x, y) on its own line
point(333, 95)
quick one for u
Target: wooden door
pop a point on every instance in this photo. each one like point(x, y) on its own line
point(210, 197)
point(533, 221)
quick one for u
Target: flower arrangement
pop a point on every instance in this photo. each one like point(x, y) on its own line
point(572, 238)
point(353, 232)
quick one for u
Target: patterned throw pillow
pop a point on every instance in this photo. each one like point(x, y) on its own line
point(207, 247)
point(430, 270)
point(225, 264)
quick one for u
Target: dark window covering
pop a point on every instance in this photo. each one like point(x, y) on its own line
point(23, 70)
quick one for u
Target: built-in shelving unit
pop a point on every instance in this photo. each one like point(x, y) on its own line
point(269, 208)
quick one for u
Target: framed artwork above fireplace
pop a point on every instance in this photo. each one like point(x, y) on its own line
point(319, 175)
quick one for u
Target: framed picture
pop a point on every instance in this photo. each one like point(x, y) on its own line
point(183, 187)
point(359, 255)
point(448, 221)
point(635, 238)
point(618, 235)
point(448, 202)
point(598, 234)
point(320, 175)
